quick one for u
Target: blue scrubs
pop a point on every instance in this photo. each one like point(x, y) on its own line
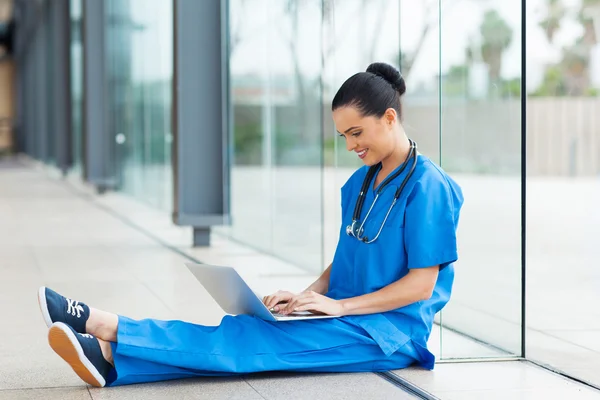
point(420, 232)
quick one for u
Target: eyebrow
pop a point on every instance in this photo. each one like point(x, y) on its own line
point(351, 128)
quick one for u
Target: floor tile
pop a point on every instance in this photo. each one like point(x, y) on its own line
point(492, 377)
point(588, 338)
point(46, 394)
point(325, 386)
point(36, 367)
point(529, 394)
point(196, 389)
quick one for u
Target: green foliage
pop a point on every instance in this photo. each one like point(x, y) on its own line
point(511, 88)
point(454, 83)
point(496, 32)
point(552, 84)
point(552, 22)
point(570, 76)
point(497, 36)
point(247, 142)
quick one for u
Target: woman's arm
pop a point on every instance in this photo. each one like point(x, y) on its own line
point(321, 285)
point(415, 286)
point(282, 297)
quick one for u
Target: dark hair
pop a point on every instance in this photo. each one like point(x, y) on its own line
point(372, 92)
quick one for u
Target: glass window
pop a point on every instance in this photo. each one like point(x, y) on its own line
point(563, 190)
point(346, 52)
point(76, 59)
point(480, 145)
point(276, 175)
point(462, 64)
point(139, 36)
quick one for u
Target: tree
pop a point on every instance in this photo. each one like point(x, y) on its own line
point(571, 75)
point(554, 14)
point(496, 37)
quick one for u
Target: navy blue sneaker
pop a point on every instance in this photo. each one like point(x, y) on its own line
point(57, 308)
point(82, 352)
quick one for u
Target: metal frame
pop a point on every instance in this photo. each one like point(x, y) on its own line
point(201, 120)
point(523, 177)
point(98, 166)
point(60, 19)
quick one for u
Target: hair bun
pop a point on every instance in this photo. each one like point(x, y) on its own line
point(390, 74)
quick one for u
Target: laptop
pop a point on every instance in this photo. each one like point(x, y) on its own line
point(235, 297)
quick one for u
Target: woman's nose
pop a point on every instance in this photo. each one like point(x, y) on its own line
point(350, 144)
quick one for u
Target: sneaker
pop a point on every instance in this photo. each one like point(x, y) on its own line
point(57, 308)
point(82, 352)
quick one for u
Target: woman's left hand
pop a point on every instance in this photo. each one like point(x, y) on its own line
point(314, 302)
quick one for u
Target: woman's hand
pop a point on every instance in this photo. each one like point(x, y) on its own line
point(273, 300)
point(314, 302)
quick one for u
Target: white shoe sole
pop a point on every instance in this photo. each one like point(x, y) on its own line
point(44, 306)
point(65, 344)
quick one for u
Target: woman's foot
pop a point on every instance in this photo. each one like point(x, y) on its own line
point(57, 308)
point(82, 352)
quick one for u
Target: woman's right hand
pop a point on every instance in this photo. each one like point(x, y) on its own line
point(273, 301)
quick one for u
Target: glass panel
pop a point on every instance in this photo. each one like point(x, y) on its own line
point(563, 191)
point(276, 174)
point(49, 102)
point(140, 62)
point(76, 84)
point(419, 53)
point(406, 35)
point(481, 149)
point(251, 200)
point(346, 52)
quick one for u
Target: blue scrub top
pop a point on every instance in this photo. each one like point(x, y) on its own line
point(420, 232)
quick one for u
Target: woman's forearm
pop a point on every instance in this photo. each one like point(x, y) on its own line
point(417, 285)
point(321, 285)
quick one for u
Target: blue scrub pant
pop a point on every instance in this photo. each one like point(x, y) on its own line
point(151, 350)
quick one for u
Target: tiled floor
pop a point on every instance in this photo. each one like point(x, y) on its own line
point(496, 380)
point(60, 234)
point(50, 235)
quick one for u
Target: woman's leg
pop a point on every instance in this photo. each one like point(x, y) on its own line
point(102, 324)
point(151, 350)
point(106, 349)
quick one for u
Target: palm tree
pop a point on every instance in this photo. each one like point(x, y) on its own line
point(496, 37)
point(551, 23)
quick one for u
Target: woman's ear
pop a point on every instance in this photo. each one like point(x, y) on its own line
point(390, 117)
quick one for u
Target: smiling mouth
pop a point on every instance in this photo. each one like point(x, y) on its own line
point(362, 153)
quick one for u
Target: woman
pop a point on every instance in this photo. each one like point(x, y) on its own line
point(391, 273)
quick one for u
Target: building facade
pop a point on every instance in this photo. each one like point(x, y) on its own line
point(218, 113)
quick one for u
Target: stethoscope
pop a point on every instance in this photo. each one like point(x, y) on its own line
point(358, 231)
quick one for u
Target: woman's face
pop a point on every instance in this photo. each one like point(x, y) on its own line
point(371, 137)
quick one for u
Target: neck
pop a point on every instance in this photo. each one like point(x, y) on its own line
point(398, 154)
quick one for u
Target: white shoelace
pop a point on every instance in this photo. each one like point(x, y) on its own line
point(74, 308)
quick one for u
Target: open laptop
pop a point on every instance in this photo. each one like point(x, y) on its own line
point(235, 297)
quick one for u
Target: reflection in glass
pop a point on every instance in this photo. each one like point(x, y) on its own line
point(76, 60)
point(563, 190)
point(277, 177)
point(140, 63)
point(480, 80)
point(346, 52)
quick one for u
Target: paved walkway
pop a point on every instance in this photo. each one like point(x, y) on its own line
point(100, 250)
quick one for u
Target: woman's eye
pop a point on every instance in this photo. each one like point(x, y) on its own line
point(356, 133)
